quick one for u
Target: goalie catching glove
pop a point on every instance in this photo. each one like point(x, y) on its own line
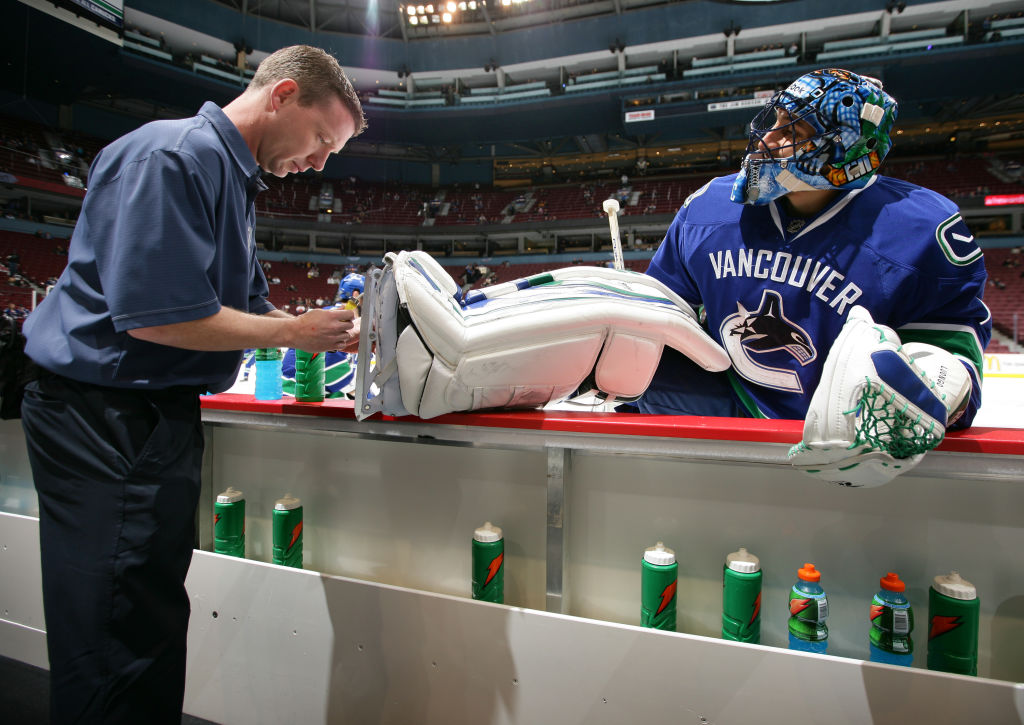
point(879, 406)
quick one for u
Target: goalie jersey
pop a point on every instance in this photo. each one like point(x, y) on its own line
point(776, 290)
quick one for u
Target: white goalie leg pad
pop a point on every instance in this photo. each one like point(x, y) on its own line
point(876, 411)
point(528, 342)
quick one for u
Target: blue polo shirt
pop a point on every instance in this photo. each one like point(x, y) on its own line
point(165, 235)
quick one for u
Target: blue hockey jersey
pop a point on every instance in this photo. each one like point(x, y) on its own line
point(776, 290)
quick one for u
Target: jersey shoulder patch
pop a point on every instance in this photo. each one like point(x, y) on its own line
point(957, 242)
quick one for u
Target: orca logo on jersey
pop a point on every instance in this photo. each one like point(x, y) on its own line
point(957, 242)
point(750, 335)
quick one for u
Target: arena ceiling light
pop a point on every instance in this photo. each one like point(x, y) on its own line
point(443, 12)
point(451, 12)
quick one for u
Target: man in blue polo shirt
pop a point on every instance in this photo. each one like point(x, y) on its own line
point(161, 293)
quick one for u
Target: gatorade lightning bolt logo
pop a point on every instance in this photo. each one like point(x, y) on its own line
point(493, 567)
point(216, 519)
point(941, 625)
point(296, 532)
point(757, 609)
point(666, 597)
point(876, 611)
point(798, 605)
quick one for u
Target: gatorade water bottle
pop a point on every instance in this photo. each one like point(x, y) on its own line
point(741, 597)
point(892, 620)
point(489, 564)
point(287, 525)
point(309, 376)
point(953, 607)
point(808, 610)
point(268, 373)
point(658, 588)
point(229, 523)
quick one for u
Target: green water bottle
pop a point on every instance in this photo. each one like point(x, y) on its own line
point(287, 526)
point(658, 581)
point(309, 376)
point(741, 597)
point(489, 564)
point(229, 523)
point(953, 608)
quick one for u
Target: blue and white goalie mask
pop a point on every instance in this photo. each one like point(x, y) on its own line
point(829, 130)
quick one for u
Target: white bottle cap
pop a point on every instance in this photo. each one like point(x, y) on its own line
point(659, 555)
point(955, 586)
point(287, 503)
point(230, 496)
point(743, 561)
point(487, 533)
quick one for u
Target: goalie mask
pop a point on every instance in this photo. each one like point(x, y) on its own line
point(850, 118)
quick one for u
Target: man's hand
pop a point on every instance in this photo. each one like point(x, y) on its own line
point(321, 330)
point(354, 336)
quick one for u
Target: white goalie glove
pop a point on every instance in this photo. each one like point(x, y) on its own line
point(879, 406)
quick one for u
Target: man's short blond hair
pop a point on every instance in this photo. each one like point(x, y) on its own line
point(318, 75)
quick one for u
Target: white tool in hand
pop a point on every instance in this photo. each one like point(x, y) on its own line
point(611, 208)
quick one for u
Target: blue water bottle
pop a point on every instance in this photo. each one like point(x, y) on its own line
point(268, 373)
point(892, 620)
point(808, 610)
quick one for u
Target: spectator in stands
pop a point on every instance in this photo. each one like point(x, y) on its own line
point(161, 294)
point(13, 263)
point(470, 277)
point(778, 272)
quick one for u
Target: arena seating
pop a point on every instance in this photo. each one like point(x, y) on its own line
point(965, 177)
point(307, 289)
point(39, 257)
point(26, 149)
point(1004, 294)
point(407, 205)
point(40, 260)
point(475, 206)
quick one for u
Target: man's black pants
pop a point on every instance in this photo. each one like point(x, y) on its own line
point(117, 473)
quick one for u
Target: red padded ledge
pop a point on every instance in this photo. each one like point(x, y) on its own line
point(1009, 441)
